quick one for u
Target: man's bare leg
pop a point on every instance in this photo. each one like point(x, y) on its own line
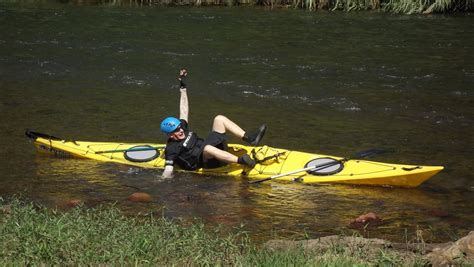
point(222, 124)
point(211, 152)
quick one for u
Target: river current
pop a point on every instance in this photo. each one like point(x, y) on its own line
point(327, 82)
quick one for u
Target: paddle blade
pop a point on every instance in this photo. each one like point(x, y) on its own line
point(34, 135)
point(367, 153)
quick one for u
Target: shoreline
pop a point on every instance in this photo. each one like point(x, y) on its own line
point(33, 234)
point(388, 6)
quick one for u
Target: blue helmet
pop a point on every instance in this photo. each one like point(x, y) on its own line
point(169, 124)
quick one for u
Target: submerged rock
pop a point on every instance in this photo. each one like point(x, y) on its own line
point(438, 213)
point(74, 203)
point(366, 220)
point(140, 197)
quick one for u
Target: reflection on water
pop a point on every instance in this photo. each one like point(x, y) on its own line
point(329, 83)
point(267, 210)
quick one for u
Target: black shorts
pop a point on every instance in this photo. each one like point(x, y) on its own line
point(218, 140)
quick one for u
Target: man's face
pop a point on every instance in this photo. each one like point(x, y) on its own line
point(178, 134)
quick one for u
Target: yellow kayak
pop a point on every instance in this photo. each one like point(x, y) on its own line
point(272, 162)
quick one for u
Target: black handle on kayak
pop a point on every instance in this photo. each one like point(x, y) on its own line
point(358, 155)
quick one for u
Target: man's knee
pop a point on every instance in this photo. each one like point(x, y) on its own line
point(219, 118)
point(209, 150)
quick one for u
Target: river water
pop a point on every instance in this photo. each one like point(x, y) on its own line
point(333, 83)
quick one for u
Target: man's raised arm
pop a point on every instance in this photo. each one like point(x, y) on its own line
point(183, 102)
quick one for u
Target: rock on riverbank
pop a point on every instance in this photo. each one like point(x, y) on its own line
point(459, 252)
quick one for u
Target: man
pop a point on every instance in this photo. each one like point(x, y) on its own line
point(190, 152)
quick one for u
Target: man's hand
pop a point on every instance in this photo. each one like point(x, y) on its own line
point(167, 172)
point(182, 78)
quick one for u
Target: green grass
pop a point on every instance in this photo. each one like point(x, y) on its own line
point(33, 235)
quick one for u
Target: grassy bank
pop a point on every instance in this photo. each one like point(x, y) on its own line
point(32, 235)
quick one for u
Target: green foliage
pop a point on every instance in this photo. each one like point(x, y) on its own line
point(395, 6)
point(427, 6)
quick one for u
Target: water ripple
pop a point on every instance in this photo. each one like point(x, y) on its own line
point(169, 53)
point(340, 103)
point(425, 77)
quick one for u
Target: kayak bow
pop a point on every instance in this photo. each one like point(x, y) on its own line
point(271, 162)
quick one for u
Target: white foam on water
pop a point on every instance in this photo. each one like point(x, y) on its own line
point(224, 82)
point(304, 67)
point(204, 17)
point(253, 93)
point(131, 80)
point(340, 103)
point(425, 77)
point(459, 93)
point(49, 73)
point(468, 73)
point(168, 53)
point(352, 109)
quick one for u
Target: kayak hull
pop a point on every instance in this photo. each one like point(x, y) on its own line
point(274, 161)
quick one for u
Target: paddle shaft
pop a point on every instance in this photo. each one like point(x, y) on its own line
point(129, 150)
point(315, 168)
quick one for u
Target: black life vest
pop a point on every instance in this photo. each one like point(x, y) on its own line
point(186, 152)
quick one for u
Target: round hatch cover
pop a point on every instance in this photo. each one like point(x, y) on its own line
point(324, 166)
point(141, 153)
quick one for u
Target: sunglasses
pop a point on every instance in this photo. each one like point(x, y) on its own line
point(177, 129)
